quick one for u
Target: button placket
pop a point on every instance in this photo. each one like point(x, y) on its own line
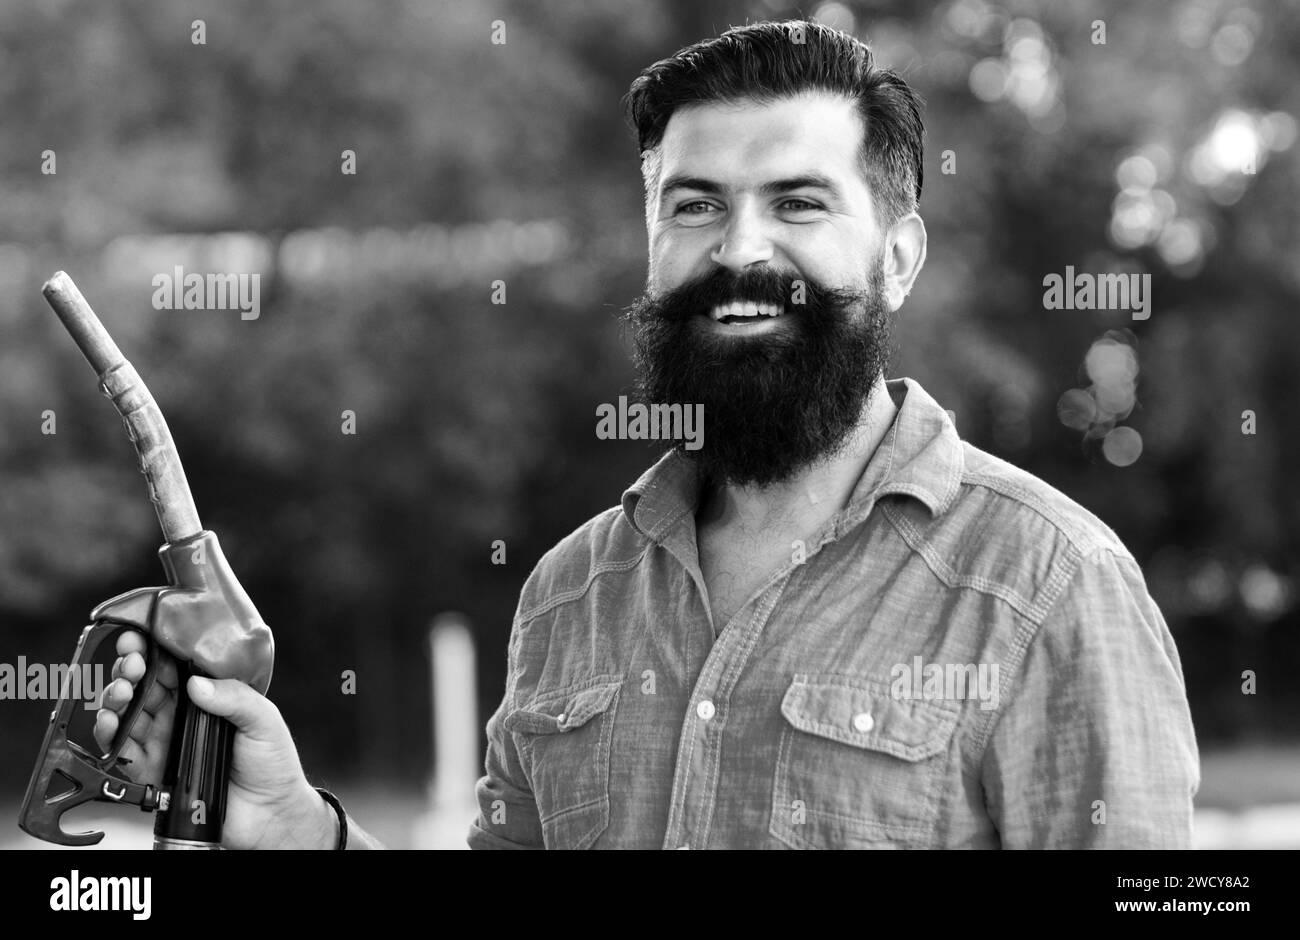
point(697, 771)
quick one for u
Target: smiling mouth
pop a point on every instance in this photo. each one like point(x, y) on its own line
point(745, 312)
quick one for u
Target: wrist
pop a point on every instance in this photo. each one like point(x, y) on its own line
point(312, 822)
point(330, 828)
point(340, 816)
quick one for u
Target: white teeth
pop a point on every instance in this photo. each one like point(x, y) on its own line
point(747, 309)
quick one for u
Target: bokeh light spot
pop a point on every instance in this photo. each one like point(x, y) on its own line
point(1122, 446)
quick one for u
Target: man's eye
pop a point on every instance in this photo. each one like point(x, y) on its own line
point(698, 207)
point(799, 205)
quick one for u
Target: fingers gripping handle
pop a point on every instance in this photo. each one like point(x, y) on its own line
point(142, 690)
point(68, 775)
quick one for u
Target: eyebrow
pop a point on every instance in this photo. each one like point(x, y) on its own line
point(772, 188)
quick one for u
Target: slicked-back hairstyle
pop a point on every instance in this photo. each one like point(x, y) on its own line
point(768, 61)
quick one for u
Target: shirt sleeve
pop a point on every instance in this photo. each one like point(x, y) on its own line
point(507, 817)
point(1095, 747)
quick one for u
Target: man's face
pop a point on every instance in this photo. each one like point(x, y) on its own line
point(771, 282)
point(748, 184)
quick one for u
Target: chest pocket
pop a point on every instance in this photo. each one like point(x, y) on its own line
point(563, 738)
point(857, 768)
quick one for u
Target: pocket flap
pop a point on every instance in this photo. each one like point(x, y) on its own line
point(557, 712)
point(862, 713)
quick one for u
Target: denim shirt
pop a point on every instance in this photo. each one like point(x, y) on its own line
point(961, 658)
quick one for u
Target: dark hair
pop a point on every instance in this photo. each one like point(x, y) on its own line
point(771, 60)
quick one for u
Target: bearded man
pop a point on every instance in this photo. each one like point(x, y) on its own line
point(835, 624)
point(725, 659)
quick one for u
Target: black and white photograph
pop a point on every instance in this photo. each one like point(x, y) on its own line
point(656, 425)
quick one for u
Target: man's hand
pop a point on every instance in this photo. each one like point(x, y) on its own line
point(270, 804)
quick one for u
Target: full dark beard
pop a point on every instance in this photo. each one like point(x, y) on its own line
point(773, 402)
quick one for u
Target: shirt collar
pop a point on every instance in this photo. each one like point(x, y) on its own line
point(921, 456)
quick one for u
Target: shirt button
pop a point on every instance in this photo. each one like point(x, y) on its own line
point(560, 717)
point(863, 722)
point(705, 710)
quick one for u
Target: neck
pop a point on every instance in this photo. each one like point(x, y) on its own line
point(815, 492)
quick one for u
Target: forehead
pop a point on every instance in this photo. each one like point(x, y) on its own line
point(748, 141)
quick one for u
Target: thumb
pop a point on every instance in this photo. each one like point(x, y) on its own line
point(250, 712)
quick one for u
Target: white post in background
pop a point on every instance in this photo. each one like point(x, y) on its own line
point(457, 767)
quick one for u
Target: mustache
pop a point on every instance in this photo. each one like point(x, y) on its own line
point(774, 402)
point(788, 291)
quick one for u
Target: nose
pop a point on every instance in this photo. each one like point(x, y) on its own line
point(744, 243)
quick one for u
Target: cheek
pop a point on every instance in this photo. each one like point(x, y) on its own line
point(673, 256)
point(827, 263)
point(832, 256)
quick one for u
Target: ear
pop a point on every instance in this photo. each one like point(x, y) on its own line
point(904, 258)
